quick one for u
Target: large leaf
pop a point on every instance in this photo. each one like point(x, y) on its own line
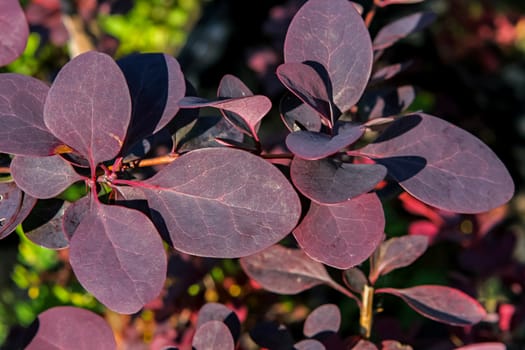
point(332, 36)
point(316, 145)
point(397, 30)
point(220, 202)
point(213, 335)
point(219, 312)
point(89, 106)
point(43, 177)
point(15, 206)
point(342, 235)
point(23, 131)
point(14, 29)
point(118, 256)
point(325, 318)
point(328, 181)
point(284, 270)
point(66, 327)
point(440, 303)
point(442, 165)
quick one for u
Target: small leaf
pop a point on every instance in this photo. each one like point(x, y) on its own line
point(324, 319)
point(219, 312)
point(342, 235)
point(394, 345)
point(205, 132)
point(442, 165)
point(213, 335)
point(440, 303)
point(43, 177)
point(364, 345)
point(483, 346)
point(294, 112)
point(399, 29)
point(389, 72)
point(316, 145)
point(355, 279)
point(386, 102)
point(14, 29)
point(44, 224)
point(309, 344)
point(66, 327)
point(118, 256)
point(399, 252)
point(330, 182)
point(284, 271)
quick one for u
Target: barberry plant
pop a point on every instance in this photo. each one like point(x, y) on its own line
point(218, 193)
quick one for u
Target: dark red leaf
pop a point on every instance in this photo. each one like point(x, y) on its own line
point(399, 29)
point(118, 256)
point(440, 303)
point(309, 344)
point(252, 206)
point(325, 318)
point(44, 224)
point(14, 29)
point(305, 83)
point(219, 312)
point(364, 345)
point(284, 271)
point(74, 214)
point(328, 181)
point(232, 87)
point(342, 235)
point(213, 335)
point(483, 346)
point(23, 131)
point(442, 165)
point(43, 177)
point(332, 36)
point(399, 252)
point(316, 145)
point(66, 327)
point(89, 106)
point(294, 112)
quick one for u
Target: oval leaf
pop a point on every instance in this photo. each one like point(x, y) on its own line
point(118, 256)
point(252, 207)
point(355, 279)
point(213, 335)
point(14, 29)
point(399, 29)
point(327, 181)
point(325, 318)
point(232, 87)
point(284, 271)
point(399, 252)
point(43, 177)
point(332, 35)
point(442, 165)
point(23, 131)
point(342, 235)
point(440, 303)
point(309, 344)
point(219, 312)
point(89, 106)
point(66, 327)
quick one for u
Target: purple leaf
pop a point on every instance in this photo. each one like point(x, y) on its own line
point(294, 112)
point(386, 102)
point(232, 87)
point(316, 145)
point(389, 72)
point(328, 181)
point(442, 165)
point(43, 177)
point(309, 344)
point(440, 303)
point(355, 279)
point(364, 345)
point(205, 132)
point(399, 29)
point(23, 131)
point(66, 327)
point(118, 256)
point(284, 271)
point(11, 198)
point(305, 83)
point(11, 222)
point(14, 29)
point(219, 312)
point(332, 36)
point(272, 336)
point(213, 335)
point(483, 346)
point(74, 214)
point(89, 106)
point(325, 318)
point(342, 235)
point(44, 225)
point(252, 206)
point(399, 252)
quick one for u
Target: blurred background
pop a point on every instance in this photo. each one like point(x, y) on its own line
point(468, 67)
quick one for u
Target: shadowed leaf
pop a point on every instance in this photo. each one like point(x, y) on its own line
point(355, 279)
point(394, 345)
point(213, 335)
point(325, 318)
point(399, 252)
point(389, 72)
point(342, 235)
point(14, 29)
point(399, 29)
point(74, 214)
point(11, 198)
point(294, 111)
point(386, 102)
point(272, 336)
point(219, 312)
point(309, 344)
point(44, 225)
point(205, 132)
point(284, 271)
point(364, 345)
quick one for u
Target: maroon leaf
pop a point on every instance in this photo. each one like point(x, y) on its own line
point(284, 271)
point(232, 87)
point(484, 346)
point(294, 112)
point(74, 214)
point(44, 225)
point(11, 198)
point(332, 36)
point(67, 327)
point(89, 106)
point(316, 145)
point(43, 177)
point(305, 83)
point(219, 312)
point(328, 181)
point(252, 206)
point(442, 165)
point(11, 222)
point(14, 29)
point(399, 29)
point(213, 335)
point(325, 318)
point(342, 235)
point(23, 131)
point(364, 345)
point(309, 344)
point(118, 256)
point(440, 303)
